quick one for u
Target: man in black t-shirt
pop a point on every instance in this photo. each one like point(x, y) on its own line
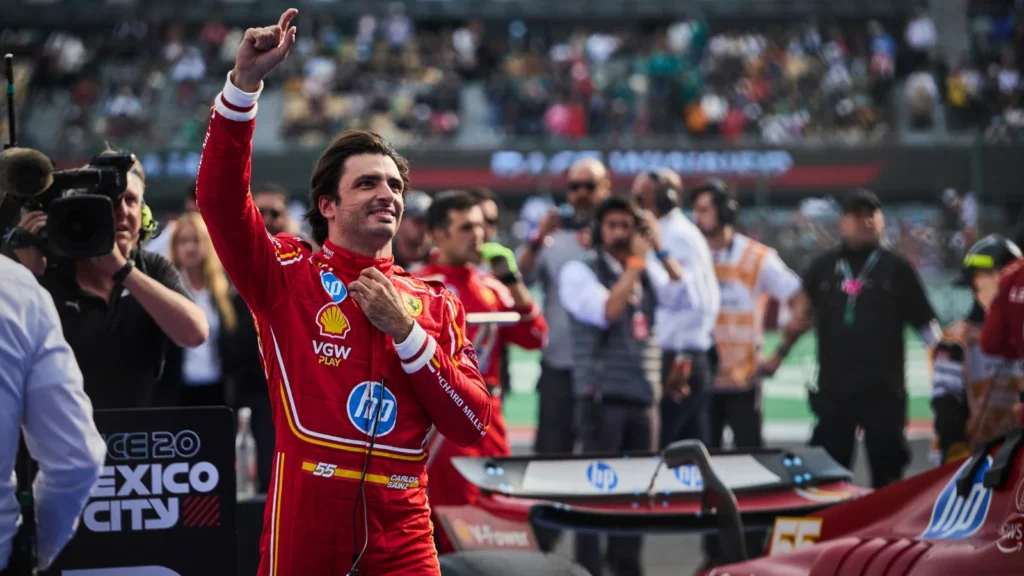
point(119, 311)
point(864, 295)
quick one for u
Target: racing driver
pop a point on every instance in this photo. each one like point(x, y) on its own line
point(975, 395)
point(361, 360)
point(455, 221)
point(1003, 334)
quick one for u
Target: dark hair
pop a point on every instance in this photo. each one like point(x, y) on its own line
point(447, 202)
point(607, 206)
point(190, 190)
point(483, 194)
point(615, 204)
point(331, 165)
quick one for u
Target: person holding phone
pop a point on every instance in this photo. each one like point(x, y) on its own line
point(456, 224)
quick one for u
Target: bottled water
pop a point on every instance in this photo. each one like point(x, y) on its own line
point(245, 456)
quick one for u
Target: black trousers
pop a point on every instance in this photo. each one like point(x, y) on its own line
point(688, 419)
point(262, 425)
point(883, 417)
point(742, 412)
point(556, 428)
point(613, 427)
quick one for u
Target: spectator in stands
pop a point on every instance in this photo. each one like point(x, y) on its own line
point(200, 373)
point(411, 246)
point(922, 95)
point(921, 38)
point(561, 239)
point(120, 311)
point(864, 295)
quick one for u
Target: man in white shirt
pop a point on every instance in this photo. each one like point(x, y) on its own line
point(42, 395)
point(684, 334)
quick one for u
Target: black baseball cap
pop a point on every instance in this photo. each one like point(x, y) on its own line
point(860, 198)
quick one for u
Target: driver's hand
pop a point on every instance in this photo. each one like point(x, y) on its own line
point(32, 258)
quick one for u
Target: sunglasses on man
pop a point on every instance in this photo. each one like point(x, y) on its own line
point(272, 212)
point(588, 186)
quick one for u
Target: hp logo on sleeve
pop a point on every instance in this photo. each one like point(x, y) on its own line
point(363, 405)
point(602, 476)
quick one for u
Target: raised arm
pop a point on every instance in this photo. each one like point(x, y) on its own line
point(256, 262)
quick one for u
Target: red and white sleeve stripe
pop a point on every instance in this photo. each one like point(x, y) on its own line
point(416, 350)
point(234, 104)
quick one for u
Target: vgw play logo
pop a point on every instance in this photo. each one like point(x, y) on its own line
point(955, 517)
point(369, 401)
point(602, 476)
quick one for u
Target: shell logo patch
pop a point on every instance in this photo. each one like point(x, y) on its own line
point(332, 322)
point(413, 305)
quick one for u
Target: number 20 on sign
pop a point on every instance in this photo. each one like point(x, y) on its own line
point(791, 534)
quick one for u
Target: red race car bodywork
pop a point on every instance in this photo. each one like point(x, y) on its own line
point(963, 518)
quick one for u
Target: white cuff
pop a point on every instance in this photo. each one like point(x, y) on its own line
point(416, 365)
point(413, 343)
point(234, 104)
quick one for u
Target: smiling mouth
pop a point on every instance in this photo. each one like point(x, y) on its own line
point(384, 213)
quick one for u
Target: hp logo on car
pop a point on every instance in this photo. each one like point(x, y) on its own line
point(689, 477)
point(363, 404)
point(602, 476)
point(955, 517)
point(335, 288)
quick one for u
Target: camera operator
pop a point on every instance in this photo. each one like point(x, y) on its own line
point(41, 394)
point(610, 297)
point(119, 310)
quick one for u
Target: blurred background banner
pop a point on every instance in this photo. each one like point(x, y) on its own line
point(769, 175)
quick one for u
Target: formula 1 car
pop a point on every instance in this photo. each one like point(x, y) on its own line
point(963, 518)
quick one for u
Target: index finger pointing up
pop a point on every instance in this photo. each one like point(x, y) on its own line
point(286, 19)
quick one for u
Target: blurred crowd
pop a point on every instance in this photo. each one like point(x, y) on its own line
point(423, 81)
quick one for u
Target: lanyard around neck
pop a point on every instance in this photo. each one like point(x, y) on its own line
point(852, 287)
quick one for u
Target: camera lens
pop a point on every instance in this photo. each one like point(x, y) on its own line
point(78, 228)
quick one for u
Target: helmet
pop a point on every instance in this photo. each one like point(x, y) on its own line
point(993, 252)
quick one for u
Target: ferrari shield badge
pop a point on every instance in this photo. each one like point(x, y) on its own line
point(413, 305)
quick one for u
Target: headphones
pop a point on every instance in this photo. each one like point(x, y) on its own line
point(725, 204)
point(610, 204)
point(666, 197)
point(149, 223)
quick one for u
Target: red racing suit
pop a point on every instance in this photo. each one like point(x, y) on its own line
point(479, 292)
point(333, 378)
point(1003, 332)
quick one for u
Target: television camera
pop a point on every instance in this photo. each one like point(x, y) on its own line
point(79, 203)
